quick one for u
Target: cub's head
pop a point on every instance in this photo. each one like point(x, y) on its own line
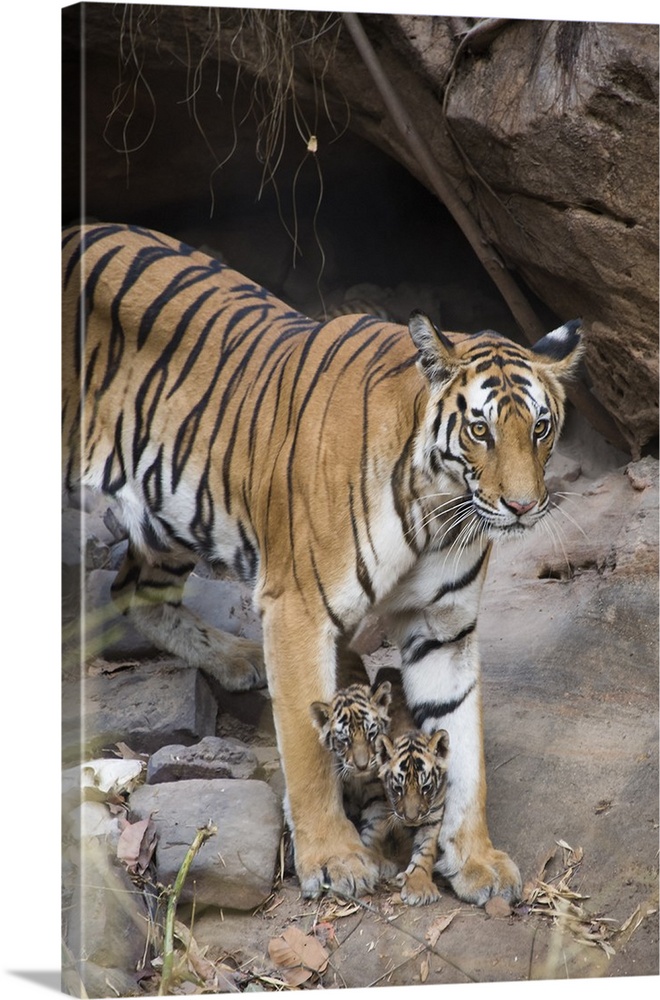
point(494, 413)
point(413, 770)
point(350, 724)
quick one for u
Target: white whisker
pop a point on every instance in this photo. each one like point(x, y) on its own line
point(568, 517)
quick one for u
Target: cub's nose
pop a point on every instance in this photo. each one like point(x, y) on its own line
point(361, 757)
point(517, 507)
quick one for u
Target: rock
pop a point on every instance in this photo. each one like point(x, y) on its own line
point(225, 604)
point(547, 97)
point(236, 867)
point(149, 707)
point(103, 982)
point(108, 922)
point(212, 757)
point(73, 526)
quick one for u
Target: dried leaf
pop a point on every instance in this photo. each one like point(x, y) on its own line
point(298, 955)
point(332, 911)
point(424, 970)
point(220, 979)
point(544, 860)
point(439, 925)
point(124, 751)
point(325, 933)
point(136, 844)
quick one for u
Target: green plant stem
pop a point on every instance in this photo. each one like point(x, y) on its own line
point(203, 834)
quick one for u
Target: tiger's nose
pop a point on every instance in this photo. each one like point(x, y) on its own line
point(518, 508)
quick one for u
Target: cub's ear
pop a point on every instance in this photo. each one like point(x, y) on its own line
point(437, 358)
point(439, 744)
point(384, 748)
point(562, 348)
point(382, 696)
point(320, 713)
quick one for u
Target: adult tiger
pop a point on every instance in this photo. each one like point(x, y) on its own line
point(340, 467)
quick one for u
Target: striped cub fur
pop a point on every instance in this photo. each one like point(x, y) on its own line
point(349, 727)
point(413, 772)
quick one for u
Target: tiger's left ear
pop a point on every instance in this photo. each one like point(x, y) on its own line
point(562, 348)
point(437, 358)
point(439, 743)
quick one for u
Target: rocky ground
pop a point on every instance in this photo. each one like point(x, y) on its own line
point(568, 637)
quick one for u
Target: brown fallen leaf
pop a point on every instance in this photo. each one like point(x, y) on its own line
point(298, 955)
point(219, 977)
point(136, 845)
point(324, 932)
point(424, 970)
point(439, 925)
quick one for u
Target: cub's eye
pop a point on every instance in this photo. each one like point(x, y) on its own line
point(479, 429)
point(541, 428)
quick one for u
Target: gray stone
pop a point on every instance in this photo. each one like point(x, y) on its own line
point(108, 920)
point(147, 707)
point(103, 982)
point(236, 867)
point(212, 757)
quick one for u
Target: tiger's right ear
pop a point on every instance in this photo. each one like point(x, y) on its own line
point(382, 696)
point(384, 748)
point(437, 358)
point(320, 713)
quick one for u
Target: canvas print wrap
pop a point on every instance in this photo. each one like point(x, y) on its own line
point(360, 499)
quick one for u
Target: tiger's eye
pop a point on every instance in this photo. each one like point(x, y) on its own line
point(479, 429)
point(541, 428)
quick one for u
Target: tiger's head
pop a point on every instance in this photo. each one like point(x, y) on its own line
point(413, 770)
point(350, 724)
point(494, 413)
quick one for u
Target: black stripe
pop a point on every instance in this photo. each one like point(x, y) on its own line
point(334, 618)
point(462, 581)
point(183, 280)
point(438, 709)
point(437, 421)
point(360, 566)
point(113, 483)
point(418, 650)
point(401, 505)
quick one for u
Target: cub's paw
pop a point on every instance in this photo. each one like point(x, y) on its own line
point(387, 868)
point(417, 889)
point(351, 874)
point(492, 873)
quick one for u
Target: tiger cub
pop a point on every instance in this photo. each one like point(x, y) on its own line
point(349, 727)
point(413, 773)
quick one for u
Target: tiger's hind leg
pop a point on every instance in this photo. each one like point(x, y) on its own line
point(152, 594)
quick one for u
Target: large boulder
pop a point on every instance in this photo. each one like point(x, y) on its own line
point(547, 130)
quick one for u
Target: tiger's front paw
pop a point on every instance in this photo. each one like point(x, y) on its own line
point(242, 668)
point(491, 873)
point(417, 889)
point(353, 871)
